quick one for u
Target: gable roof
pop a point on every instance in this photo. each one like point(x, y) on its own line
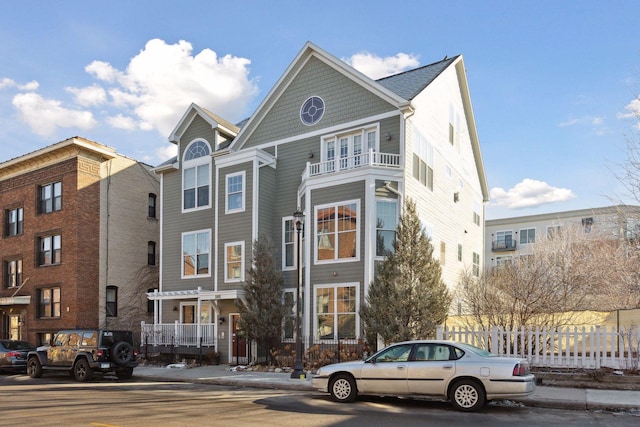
point(214, 120)
point(410, 83)
point(308, 51)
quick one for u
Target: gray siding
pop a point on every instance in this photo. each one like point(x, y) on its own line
point(344, 101)
point(234, 227)
point(266, 222)
point(199, 128)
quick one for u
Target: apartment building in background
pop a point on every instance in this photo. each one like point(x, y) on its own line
point(508, 238)
point(80, 238)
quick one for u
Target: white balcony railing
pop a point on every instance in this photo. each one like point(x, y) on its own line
point(372, 158)
point(178, 334)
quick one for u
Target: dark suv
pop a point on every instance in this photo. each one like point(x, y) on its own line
point(83, 352)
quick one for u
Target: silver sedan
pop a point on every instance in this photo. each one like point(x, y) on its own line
point(466, 375)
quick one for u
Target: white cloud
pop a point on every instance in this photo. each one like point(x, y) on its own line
point(89, 96)
point(102, 71)
point(632, 110)
point(377, 67)
point(122, 122)
point(44, 116)
point(7, 82)
point(529, 193)
point(163, 80)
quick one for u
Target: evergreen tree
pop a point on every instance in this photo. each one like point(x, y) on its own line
point(261, 317)
point(407, 299)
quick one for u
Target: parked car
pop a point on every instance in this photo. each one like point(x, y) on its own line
point(463, 374)
point(13, 355)
point(84, 352)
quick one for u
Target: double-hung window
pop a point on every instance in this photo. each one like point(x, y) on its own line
point(196, 253)
point(196, 172)
point(423, 160)
point(152, 205)
point(337, 232)
point(51, 197)
point(289, 243)
point(49, 302)
point(14, 222)
point(386, 223)
point(335, 311)
point(234, 262)
point(13, 273)
point(235, 192)
point(112, 301)
point(49, 250)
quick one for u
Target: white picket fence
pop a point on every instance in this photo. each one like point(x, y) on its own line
point(590, 348)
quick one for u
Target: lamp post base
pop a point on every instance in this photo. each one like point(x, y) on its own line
point(298, 372)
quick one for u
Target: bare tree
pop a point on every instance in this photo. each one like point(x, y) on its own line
point(560, 276)
point(133, 302)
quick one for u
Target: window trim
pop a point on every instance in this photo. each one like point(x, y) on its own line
point(527, 230)
point(336, 249)
point(293, 243)
point(226, 262)
point(193, 164)
point(335, 286)
point(195, 275)
point(394, 229)
point(243, 192)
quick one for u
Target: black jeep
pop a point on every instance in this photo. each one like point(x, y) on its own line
point(83, 352)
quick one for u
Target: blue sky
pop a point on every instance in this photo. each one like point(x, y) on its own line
point(553, 84)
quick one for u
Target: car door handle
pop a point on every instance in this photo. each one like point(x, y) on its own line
point(447, 366)
point(401, 366)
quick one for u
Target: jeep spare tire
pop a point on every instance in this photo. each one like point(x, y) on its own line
point(122, 353)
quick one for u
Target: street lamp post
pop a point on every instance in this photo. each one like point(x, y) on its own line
point(298, 368)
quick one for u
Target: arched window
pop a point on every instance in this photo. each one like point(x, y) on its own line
point(196, 176)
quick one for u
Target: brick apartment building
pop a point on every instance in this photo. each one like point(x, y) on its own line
point(78, 244)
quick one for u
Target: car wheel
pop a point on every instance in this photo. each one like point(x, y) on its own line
point(34, 367)
point(122, 353)
point(124, 373)
point(82, 371)
point(343, 389)
point(467, 395)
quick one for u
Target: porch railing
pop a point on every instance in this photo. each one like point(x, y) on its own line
point(371, 158)
point(178, 334)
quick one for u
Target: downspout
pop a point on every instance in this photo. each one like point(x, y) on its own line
point(106, 269)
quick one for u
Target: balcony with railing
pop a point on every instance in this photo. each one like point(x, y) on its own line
point(503, 245)
point(369, 159)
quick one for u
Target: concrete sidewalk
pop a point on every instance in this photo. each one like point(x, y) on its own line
point(547, 397)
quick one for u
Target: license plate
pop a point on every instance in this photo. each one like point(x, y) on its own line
point(105, 365)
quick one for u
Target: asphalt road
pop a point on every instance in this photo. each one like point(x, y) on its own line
point(59, 401)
